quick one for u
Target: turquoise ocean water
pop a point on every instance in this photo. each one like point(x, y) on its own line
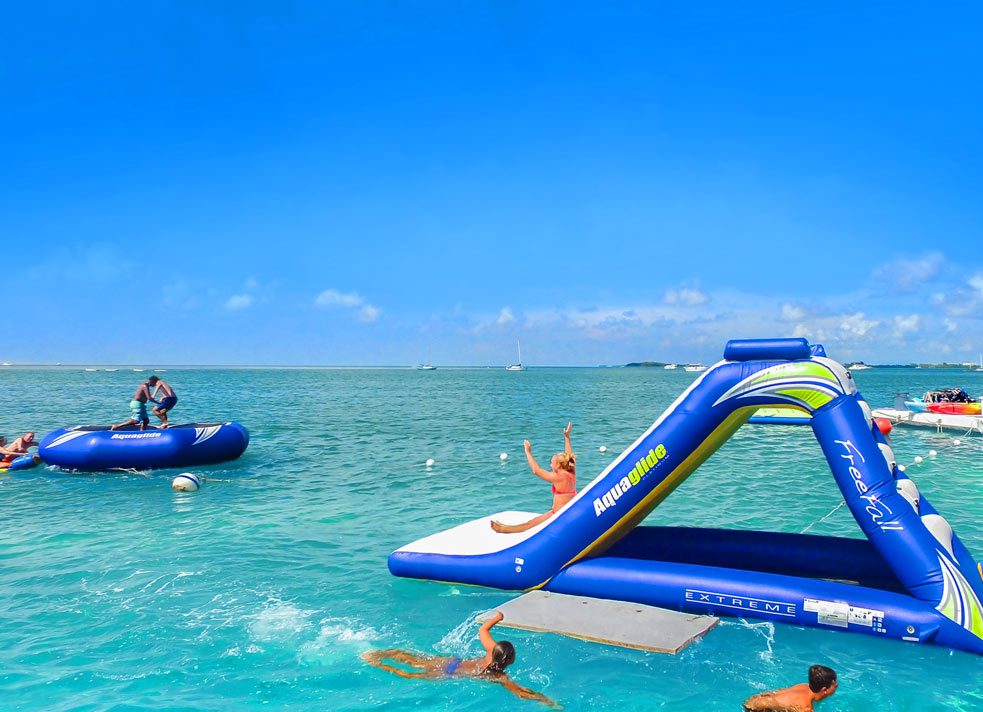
point(119, 593)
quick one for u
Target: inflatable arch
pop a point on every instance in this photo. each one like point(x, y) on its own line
point(912, 579)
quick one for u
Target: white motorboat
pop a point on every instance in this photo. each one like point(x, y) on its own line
point(670, 367)
point(696, 368)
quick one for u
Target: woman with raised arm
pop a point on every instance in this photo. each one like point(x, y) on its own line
point(498, 656)
point(562, 475)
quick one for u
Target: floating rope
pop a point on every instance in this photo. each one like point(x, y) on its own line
point(956, 442)
point(823, 517)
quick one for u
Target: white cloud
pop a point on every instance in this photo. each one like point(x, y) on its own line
point(686, 297)
point(368, 313)
point(857, 324)
point(792, 313)
point(976, 282)
point(950, 325)
point(351, 300)
point(505, 317)
point(905, 324)
point(906, 275)
point(239, 301)
point(334, 298)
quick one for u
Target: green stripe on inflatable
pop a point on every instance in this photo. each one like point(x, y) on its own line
point(802, 368)
point(815, 399)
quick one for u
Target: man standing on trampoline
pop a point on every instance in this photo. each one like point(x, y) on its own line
point(165, 404)
point(138, 406)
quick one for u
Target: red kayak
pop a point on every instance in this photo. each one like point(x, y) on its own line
point(955, 408)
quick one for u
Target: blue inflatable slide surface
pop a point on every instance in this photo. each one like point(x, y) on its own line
point(911, 579)
point(91, 448)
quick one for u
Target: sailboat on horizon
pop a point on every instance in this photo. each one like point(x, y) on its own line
point(516, 366)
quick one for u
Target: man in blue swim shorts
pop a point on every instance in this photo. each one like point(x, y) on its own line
point(164, 405)
point(138, 407)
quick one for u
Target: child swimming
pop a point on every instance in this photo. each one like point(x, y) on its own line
point(798, 698)
point(498, 656)
point(563, 476)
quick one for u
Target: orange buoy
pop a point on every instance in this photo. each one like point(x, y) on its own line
point(884, 425)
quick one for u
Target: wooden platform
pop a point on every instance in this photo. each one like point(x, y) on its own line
point(629, 625)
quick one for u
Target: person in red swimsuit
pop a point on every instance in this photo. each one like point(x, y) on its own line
point(561, 474)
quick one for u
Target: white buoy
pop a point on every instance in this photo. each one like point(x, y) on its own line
point(603, 448)
point(919, 459)
point(957, 441)
point(186, 482)
point(901, 468)
point(933, 453)
point(430, 462)
point(503, 457)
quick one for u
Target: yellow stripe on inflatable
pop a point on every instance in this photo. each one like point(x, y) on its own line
point(816, 399)
point(641, 510)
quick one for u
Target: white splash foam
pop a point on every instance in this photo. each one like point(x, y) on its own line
point(337, 637)
point(278, 621)
point(459, 640)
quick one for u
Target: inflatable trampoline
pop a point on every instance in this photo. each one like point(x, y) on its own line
point(911, 579)
point(91, 448)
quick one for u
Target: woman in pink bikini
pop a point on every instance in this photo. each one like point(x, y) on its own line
point(561, 474)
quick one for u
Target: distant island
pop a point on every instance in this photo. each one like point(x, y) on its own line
point(645, 364)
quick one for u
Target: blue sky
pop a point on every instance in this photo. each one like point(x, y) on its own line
point(384, 183)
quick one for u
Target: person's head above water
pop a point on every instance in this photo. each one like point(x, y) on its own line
point(152, 381)
point(563, 461)
point(822, 678)
point(28, 436)
point(503, 655)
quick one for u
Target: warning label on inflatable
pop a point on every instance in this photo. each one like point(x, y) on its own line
point(841, 615)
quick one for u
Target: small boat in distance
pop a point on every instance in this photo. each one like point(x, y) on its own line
point(426, 367)
point(110, 370)
point(696, 368)
point(670, 367)
point(92, 369)
point(858, 366)
point(516, 366)
point(978, 369)
point(952, 401)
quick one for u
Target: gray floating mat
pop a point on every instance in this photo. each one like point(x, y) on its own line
point(629, 625)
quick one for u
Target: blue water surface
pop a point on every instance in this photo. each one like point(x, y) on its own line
point(261, 590)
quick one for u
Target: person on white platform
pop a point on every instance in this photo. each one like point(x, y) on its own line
point(561, 474)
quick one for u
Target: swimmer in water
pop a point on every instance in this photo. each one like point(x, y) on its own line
point(491, 667)
point(18, 448)
point(563, 476)
point(798, 698)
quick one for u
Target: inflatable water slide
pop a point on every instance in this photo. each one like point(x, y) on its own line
point(910, 579)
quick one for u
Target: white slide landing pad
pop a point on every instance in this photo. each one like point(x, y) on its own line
point(629, 625)
point(476, 537)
